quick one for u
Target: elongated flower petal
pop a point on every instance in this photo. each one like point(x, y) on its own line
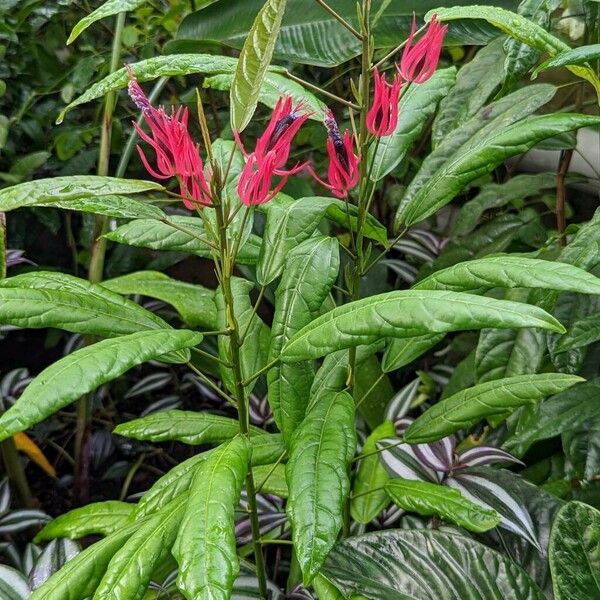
point(382, 118)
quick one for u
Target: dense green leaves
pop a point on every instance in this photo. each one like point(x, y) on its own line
point(111, 7)
point(405, 314)
point(417, 563)
point(575, 552)
point(492, 398)
point(86, 369)
point(310, 271)
point(253, 62)
point(431, 499)
point(205, 548)
point(317, 477)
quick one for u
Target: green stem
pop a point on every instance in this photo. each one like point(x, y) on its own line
point(340, 19)
point(15, 471)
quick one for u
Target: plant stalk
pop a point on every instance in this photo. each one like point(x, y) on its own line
point(15, 472)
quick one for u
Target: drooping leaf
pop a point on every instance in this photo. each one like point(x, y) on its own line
point(389, 565)
point(310, 271)
point(430, 499)
point(498, 397)
point(75, 187)
point(405, 314)
point(254, 60)
point(417, 105)
point(573, 56)
point(321, 451)
point(102, 518)
point(205, 547)
point(84, 370)
point(575, 552)
point(111, 7)
point(195, 303)
point(368, 496)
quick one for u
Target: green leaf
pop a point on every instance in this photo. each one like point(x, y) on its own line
point(409, 313)
point(584, 249)
point(158, 235)
point(468, 407)
point(270, 479)
point(205, 548)
point(195, 303)
point(317, 476)
point(254, 60)
point(483, 155)
point(402, 351)
point(431, 499)
point(3, 253)
point(131, 568)
point(475, 82)
point(519, 28)
point(405, 564)
point(417, 105)
point(101, 518)
point(184, 426)
point(511, 271)
point(13, 585)
point(112, 7)
point(573, 56)
point(310, 271)
point(74, 188)
point(368, 496)
point(575, 552)
point(80, 577)
point(581, 333)
point(84, 370)
point(255, 347)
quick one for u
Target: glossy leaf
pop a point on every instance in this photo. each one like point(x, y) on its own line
point(582, 332)
point(111, 7)
point(575, 552)
point(195, 303)
point(205, 548)
point(317, 476)
point(310, 271)
point(417, 104)
point(486, 399)
point(368, 496)
point(101, 518)
point(573, 56)
point(270, 479)
point(431, 499)
point(84, 370)
point(389, 565)
point(402, 351)
point(253, 62)
point(405, 314)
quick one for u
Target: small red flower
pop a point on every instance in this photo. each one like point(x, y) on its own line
point(383, 114)
point(419, 62)
point(343, 172)
point(176, 153)
point(254, 186)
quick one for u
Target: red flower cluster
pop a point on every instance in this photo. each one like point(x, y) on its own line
point(417, 65)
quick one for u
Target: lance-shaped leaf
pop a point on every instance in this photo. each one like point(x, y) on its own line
point(498, 397)
point(254, 60)
point(102, 518)
point(583, 332)
point(575, 552)
point(400, 352)
point(84, 370)
point(205, 547)
point(63, 189)
point(80, 577)
point(484, 155)
point(417, 105)
point(111, 7)
point(510, 271)
point(432, 499)
point(389, 565)
point(131, 568)
point(573, 56)
point(195, 303)
point(311, 269)
point(368, 496)
point(183, 426)
point(317, 476)
point(409, 313)
point(159, 235)
point(53, 557)
point(519, 28)
point(13, 584)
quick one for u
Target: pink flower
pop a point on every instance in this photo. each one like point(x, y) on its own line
point(419, 62)
point(254, 186)
point(176, 153)
point(383, 114)
point(343, 172)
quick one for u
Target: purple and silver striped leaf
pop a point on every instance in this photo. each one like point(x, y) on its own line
point(441, 374)
point(16, 257)
point(428, 240)
point(484, 455)
point(401, 268)
point(388, 517)
point(399, 460)
point(513, 514)
point(415, 249)
point(401, 425)
point(437, 455)
point(399, 405)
